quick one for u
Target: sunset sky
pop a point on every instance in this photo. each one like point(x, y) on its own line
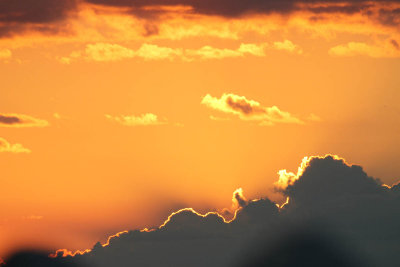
point(113, 114)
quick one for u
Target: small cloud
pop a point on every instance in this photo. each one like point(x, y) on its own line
point(107, 52)
point(141, 120)
point(250, 110)
point(5, 146)
point(382, 50)
point(208, 52)
point(155, 52)
point(5, 54)
point(20, 120)
point(288, 46)
point(57, 115)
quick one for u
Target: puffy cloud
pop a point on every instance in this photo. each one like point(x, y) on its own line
point(247, 109)
point(336, 215)
point(20, 120)
point(107, 52)
point(288, 46)
point(141, 120)
point(5, 146)
point(153, 52)
point(386, 50)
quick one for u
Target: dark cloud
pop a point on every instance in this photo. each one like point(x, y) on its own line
point(233, 8)
point(16, 16)
point(395, 44)
point(243, 106)
point(43, 15)
point(5, 119)
point(21, 120)
point(336, 216)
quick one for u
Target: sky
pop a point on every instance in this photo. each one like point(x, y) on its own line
point(113, 114)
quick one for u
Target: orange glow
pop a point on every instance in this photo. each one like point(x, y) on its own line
point(114, 117)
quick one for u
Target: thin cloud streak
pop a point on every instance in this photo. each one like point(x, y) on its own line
point(21, 120)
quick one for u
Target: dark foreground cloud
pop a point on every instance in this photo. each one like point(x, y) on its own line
point(336, 216)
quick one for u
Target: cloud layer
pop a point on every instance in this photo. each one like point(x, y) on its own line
point(106, 52)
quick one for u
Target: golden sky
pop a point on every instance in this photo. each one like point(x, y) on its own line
point(114, 115)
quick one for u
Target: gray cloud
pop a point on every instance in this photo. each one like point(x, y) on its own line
point(337, 215)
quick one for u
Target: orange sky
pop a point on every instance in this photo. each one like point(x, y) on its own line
point(114, 120)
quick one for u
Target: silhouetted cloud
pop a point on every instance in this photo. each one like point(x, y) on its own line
point(20, 120)
point(336, 215)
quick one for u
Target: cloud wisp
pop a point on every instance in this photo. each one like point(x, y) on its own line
point(249, 110)
point(21, 120)
point(5, 146)
point(146, 119)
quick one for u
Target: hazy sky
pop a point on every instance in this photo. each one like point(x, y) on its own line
point(112, 116)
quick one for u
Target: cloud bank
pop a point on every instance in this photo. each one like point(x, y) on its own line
point(336, 215)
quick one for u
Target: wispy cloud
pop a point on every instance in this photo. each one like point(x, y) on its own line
point(21, 120)
point(5, 146)
point(145, 119)
point(105, 52)
point(250, 110)
point(389, 49)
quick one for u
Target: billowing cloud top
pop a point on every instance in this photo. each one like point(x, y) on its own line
point(340, 202)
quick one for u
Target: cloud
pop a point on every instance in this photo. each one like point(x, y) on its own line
point(105, 52)
point(387, 50)
point(247, 109)
point(5, 54)
point(336, 215)
point(38, 15)
point(288, 46)
point(5, 146)
point(236, 8)
point(145, 119)
point(20, 120)
point(154, 52)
